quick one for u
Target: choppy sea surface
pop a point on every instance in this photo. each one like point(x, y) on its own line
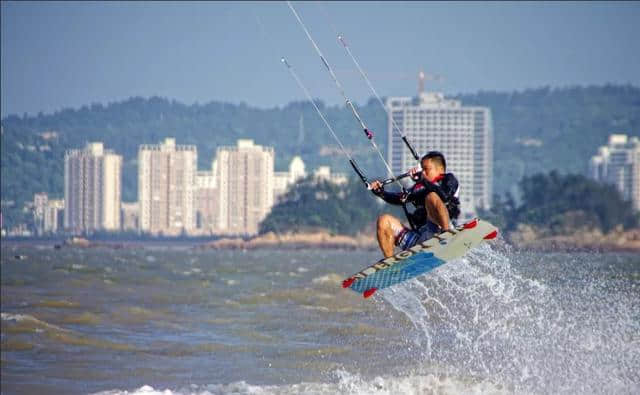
point(191, 321)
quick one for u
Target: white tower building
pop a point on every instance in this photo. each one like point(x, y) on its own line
point(246, 185)
point(296, 169)
point(166, 183)
point(92, 182)
point(618, 164)
point(463, 134)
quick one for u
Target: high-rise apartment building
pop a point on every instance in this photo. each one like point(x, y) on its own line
point(463, 134)
point(618, 164)
point(92, 182)
point(166, 183)
point(246, 183)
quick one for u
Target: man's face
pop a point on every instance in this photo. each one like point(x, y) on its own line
point(430, 170)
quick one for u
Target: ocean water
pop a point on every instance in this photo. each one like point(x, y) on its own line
point(183, 320)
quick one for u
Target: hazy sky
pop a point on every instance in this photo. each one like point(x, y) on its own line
point(68, 54)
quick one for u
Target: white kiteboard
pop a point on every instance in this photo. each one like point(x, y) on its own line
point(421, 258)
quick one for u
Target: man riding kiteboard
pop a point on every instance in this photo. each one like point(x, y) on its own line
point(435, 198)
point(431, 239)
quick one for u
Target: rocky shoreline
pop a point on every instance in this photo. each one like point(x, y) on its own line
point(529, 238)
point(525, 238)
point(316, 239)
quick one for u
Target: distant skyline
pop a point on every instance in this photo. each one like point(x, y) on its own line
point(57, 55)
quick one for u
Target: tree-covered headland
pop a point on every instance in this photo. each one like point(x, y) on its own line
point(551, 201)
point(309, 205)
point(561, 203)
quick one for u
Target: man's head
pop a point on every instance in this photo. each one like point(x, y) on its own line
point(433, 164)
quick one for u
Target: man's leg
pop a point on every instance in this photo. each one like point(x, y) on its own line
point(437, 211)
point(389, 227)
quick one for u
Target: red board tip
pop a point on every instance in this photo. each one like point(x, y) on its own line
point(347, 283)
point(369, 292)
point(491, 235)
point(471, 224)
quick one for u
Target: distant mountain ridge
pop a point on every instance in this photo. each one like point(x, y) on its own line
point(535, 130)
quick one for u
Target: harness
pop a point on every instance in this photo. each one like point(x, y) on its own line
point(452, 203)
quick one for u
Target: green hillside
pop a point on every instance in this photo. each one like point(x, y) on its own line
point(539, 130)
point(534, 131)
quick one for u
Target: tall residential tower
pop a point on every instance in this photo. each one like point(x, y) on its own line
point(246, 183)
point(92, 182)
point(463, 134)
point(618, 164)
point(166, 183)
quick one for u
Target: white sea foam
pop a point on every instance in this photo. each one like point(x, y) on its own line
point(480, 316)
point(345, 383)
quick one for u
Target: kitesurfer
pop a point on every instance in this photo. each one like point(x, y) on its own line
point(435, 198)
